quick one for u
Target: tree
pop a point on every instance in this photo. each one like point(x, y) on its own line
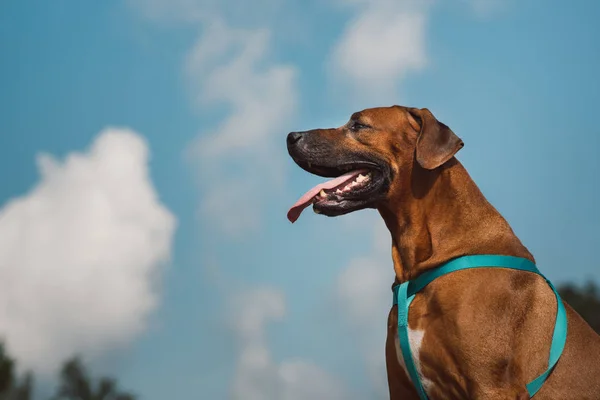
point(10, 387)
point(24, 391)
point(7, 378)
point(585, 300)
point(75, 384)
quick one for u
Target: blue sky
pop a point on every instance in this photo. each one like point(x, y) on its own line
point(199, 285)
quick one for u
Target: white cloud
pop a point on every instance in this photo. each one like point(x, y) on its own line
point(359, 286)
point(258, 376)
point(261, 98)
point(302, 380)
point(232, 205)
point(81, 254)
point(240, 163)
point(380, 46)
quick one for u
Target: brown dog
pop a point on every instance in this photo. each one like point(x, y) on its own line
point(475, 334)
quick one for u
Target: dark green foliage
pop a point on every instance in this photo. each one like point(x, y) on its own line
point(6, 372)
point(24, 391)
point(585, 300)
point(10, 387)
point(76, 384)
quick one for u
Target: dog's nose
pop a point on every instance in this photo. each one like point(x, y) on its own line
point(293, 138)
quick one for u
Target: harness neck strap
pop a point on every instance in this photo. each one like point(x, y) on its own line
point(405, 293)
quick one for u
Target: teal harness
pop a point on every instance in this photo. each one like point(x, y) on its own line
point(405, 293)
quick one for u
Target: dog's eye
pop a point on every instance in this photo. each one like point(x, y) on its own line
point(358, 126)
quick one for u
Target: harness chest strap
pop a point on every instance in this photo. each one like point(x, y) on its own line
point(405, 293)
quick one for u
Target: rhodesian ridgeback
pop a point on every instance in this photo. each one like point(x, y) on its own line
point(474, 334)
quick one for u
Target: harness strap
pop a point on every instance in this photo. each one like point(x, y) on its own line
point(405, 293)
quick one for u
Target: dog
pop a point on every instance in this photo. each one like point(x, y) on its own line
point(474, 334)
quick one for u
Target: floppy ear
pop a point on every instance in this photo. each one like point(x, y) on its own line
point(436, 143)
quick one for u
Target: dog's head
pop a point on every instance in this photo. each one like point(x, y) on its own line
point(369, 156)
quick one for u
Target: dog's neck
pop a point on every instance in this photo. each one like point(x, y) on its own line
point(439, 215)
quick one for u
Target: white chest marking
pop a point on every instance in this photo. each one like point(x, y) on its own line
point(415, 339)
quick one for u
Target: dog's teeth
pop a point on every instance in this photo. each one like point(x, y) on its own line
point(322, 193)
point(338, 191)
point(361, 178)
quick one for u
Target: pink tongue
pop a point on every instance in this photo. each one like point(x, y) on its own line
point(294, 212)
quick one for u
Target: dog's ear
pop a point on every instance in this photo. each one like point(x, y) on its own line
point(436, 143)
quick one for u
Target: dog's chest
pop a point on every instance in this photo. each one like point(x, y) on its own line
point(415, 339)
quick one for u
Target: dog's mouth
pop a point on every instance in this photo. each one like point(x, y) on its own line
point(355, 186)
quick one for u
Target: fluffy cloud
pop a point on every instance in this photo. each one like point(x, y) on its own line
point(384, 42)
point(230, 66)
point(81, 254)
point(258, 376)
point(380, 46)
